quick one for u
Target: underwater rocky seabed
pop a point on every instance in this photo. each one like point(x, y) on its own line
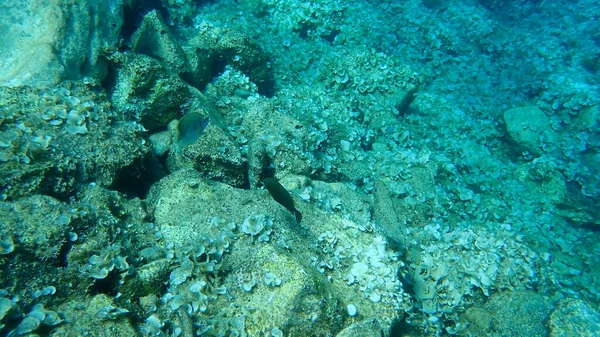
point(444, 155)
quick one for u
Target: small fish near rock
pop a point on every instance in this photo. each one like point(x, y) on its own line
point(190, 128)
point(282, 196)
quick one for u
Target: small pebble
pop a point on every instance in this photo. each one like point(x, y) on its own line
point(352, 310)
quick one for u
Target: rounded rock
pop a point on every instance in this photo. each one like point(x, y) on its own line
point(27, 325)
point(352, 310)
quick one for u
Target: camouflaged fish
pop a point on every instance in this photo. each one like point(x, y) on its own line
point(282, 196)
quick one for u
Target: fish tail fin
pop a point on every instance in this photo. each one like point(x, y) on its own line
point(298, 216)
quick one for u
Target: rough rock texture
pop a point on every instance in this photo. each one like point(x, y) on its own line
point(367, 328)
point(37, 225)
point(187, 208)
point(62, 41)
point(267, 128)
point(574, 317)
point(183, 202)
point(53, 242)
point(205, 55)
point(153, 38)
point(303, 292)
point(303, 295)
point(522, 313)
point(63, 142)
point(530, 128)
point(144, 91)
point(200, 65)
point(93, 319)
point(230, 47)
point(214, 155)
point(385, 217)
point(543, 178)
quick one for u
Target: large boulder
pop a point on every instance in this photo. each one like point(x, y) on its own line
point(519, 313)
point(63, 40)
point(56, 140)
point(574, 317)
point(530, 129)
point(273, 274)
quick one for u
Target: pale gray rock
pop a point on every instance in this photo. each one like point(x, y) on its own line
point(61, 41)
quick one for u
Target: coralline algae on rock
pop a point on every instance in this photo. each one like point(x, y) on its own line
point(574, 317)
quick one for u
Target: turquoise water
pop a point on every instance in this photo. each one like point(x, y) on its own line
point(443, 156)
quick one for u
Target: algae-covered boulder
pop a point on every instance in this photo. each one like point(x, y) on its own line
point(268, 274)
point(183, 203)
point(37, 226)
point(57, 139)
point(204, 54)
point(574, 317)
point(145, 92)
point(101, 314)
point(278, 290)
point(530, 129)
point(238, 50)
point(520, 313)
point(153, 38)
point(366, 328)
point(213, 154)
point(272, 288)
point(274, 138)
